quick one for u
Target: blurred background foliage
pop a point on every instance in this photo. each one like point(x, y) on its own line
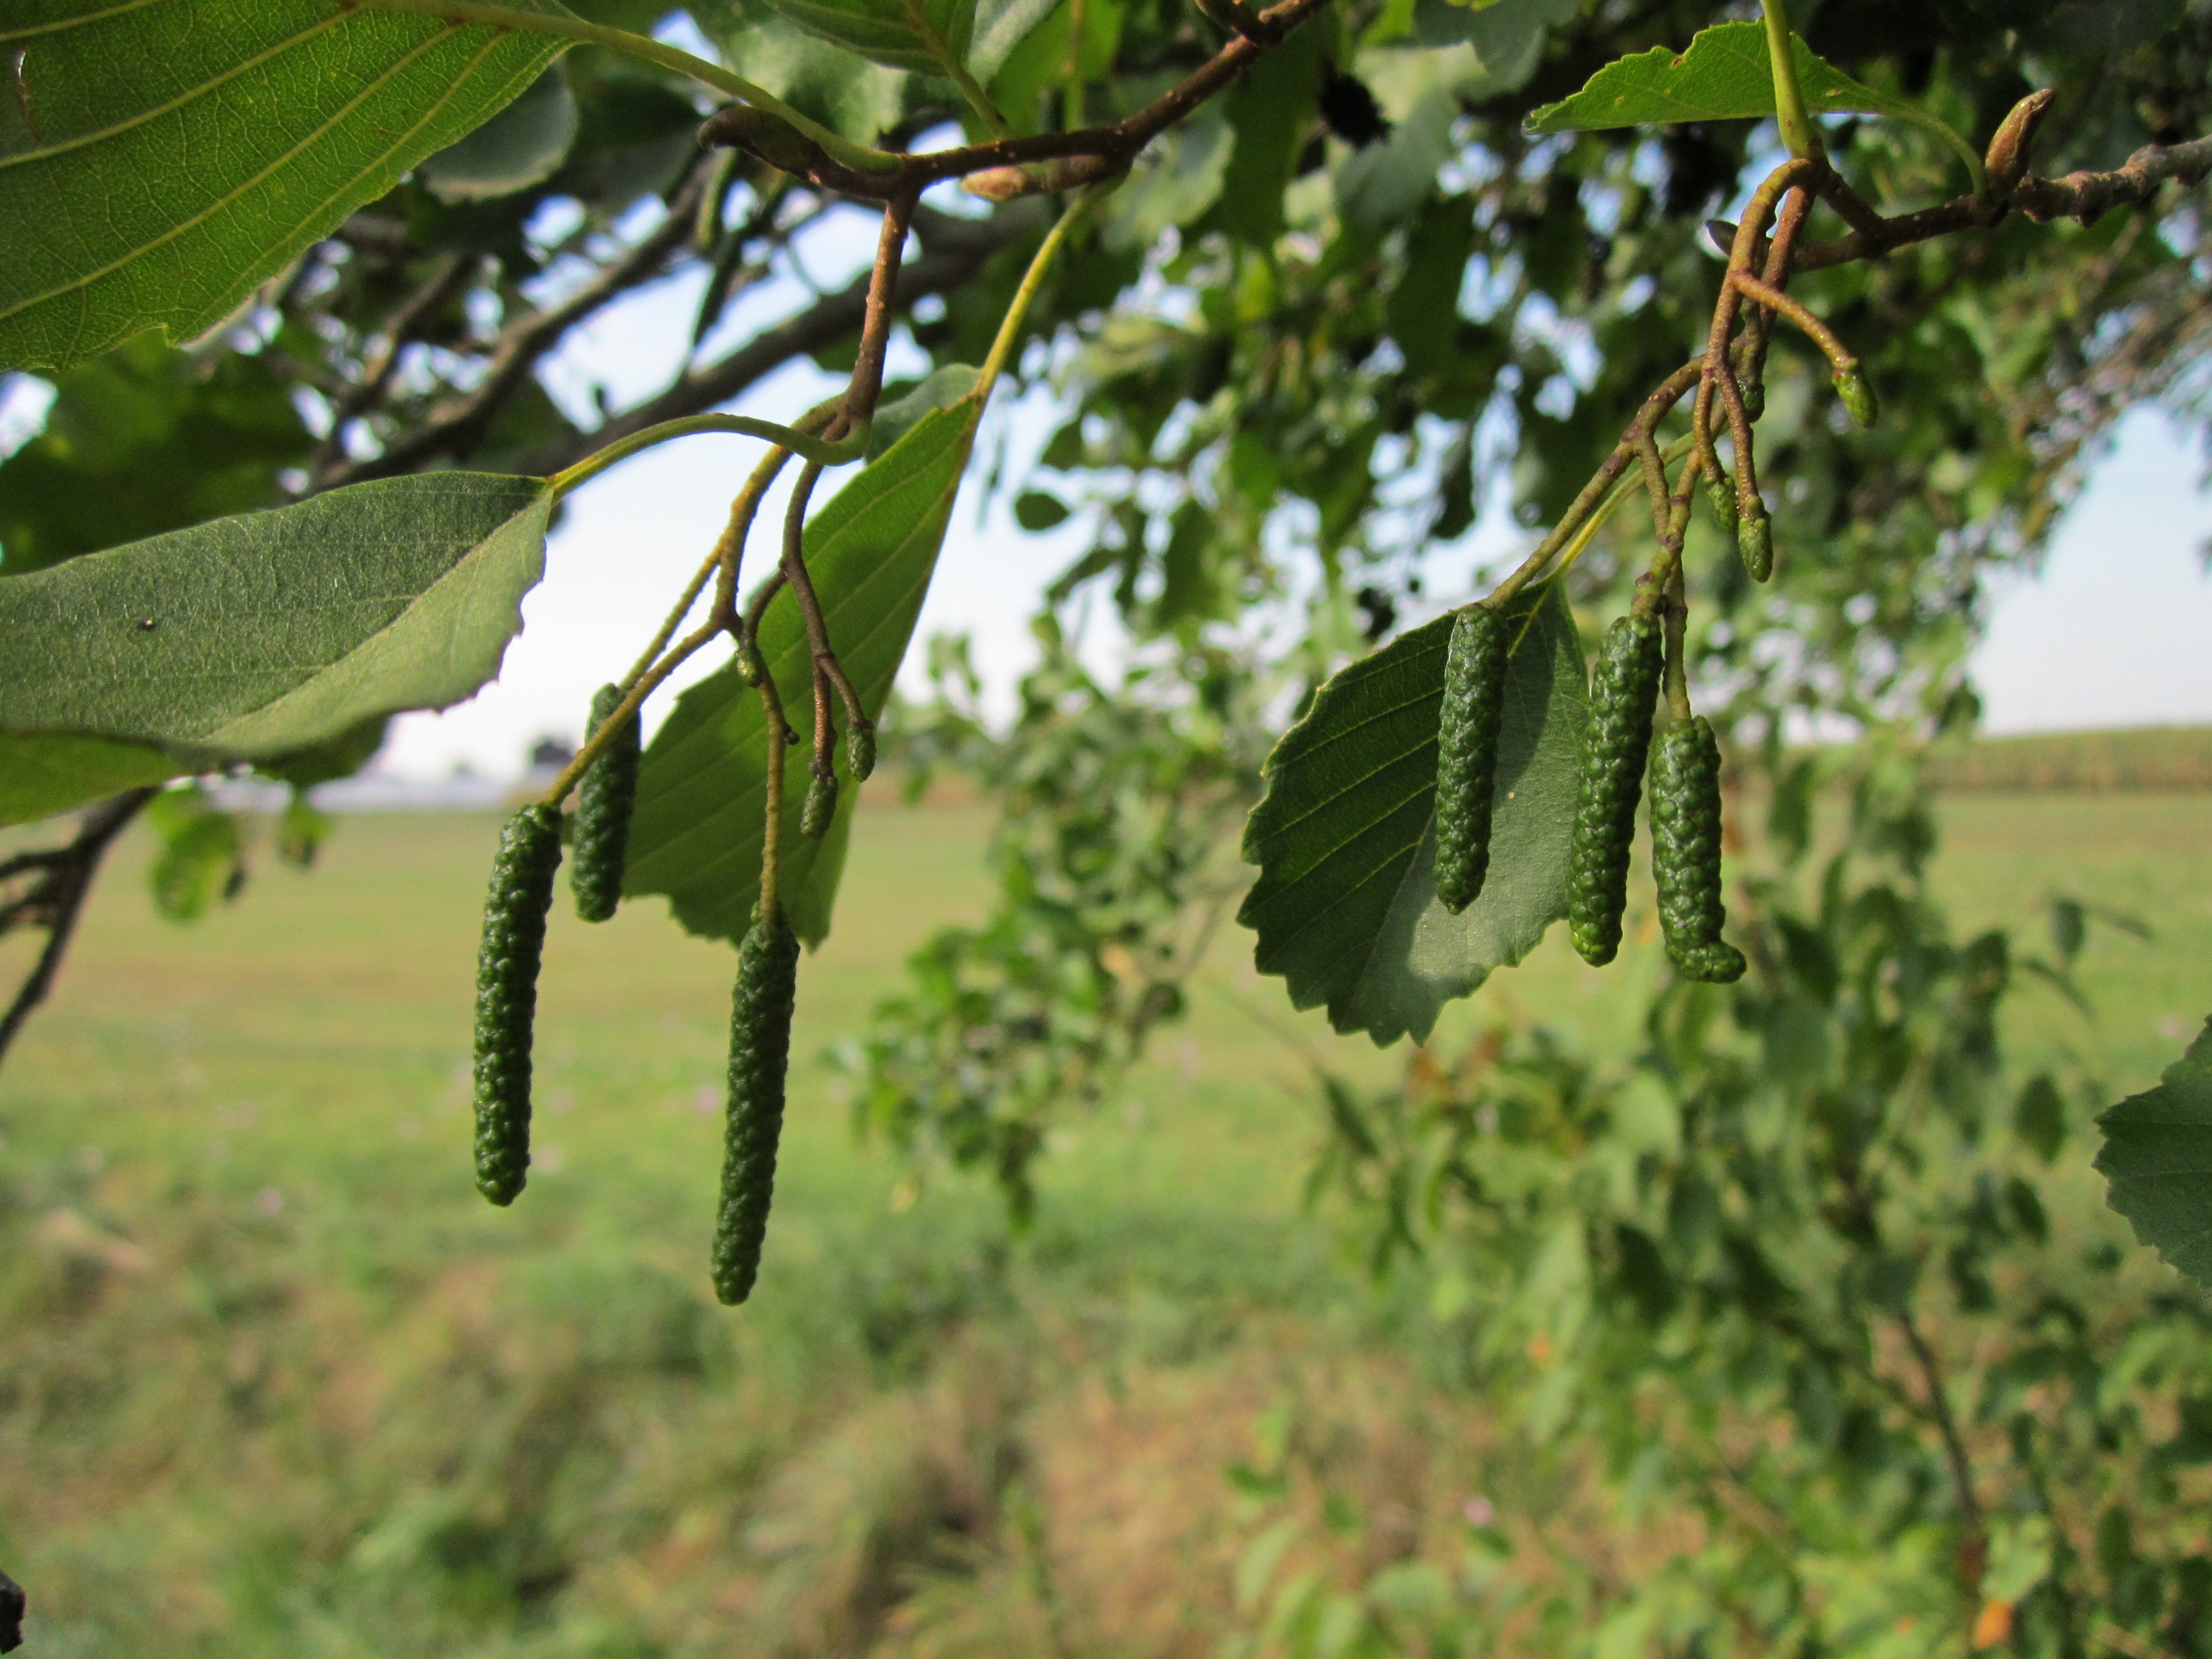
point(1804, 1304)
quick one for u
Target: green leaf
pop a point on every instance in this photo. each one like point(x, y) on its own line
point(1269, 110)
point(696, 833)
point(2158, 1158)
point(42, 775)
point(1000, 25)
point(915, 35)
point(523, 145)
point(1345, 904)
point(1725, 75)
point(173, 155)
point(254, 637)
point(944, 388)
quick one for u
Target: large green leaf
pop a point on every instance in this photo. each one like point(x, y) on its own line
point(1346, 905)
point(702, 791)
point(915, 35)
point(162, 157)
point(257, 636)
point(2158, 1157)
point(1725, 75)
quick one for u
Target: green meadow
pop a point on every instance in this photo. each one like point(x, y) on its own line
point(274, 1381)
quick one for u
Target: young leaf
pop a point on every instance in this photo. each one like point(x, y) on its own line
point(2158, 1158)
point(1725, 75)
point(696, 830)
point(256, 636)
point(915, 35)
point(173, 156)
point(1346, 905)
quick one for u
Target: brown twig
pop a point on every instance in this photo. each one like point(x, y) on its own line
point(818, 627)
point(457, 427)
point(1669, 392)
point(1115, 144)
point(868, 382)
point(57, 901)
point(953, 251)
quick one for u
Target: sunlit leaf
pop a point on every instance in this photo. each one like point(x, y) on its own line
point(175, 153)
point(915, 35)
point(1724, 75)
point(702, 790)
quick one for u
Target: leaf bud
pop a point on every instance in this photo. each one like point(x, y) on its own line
point(752, 667)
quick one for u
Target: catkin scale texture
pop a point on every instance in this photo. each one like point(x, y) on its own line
point(1467, 753)
point(507, 995)
point(1622, 692)
point(1686, 851)
point(760, 1053)
point(604, 801)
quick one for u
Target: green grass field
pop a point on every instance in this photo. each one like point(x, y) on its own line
point(273, 1380)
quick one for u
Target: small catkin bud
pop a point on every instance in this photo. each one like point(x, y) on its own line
point(604, 800)
point(1622, 692)
point(760, 1053)
point(1857, 395)
point(1720, 496)
point(1754, 399)
point(860, 751)
point(1467, 753)
point(1686, 853)
point(814, 818)
point(752, 667)
point(1754, 540)
point(507, 995)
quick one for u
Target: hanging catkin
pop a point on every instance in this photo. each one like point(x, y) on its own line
point(604, 801)
point(760, 1053)
point(507, 995)
point(1467, 753)
point(1622, 692)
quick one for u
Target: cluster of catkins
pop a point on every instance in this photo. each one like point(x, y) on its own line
point(506, 999)
point(1686, 794)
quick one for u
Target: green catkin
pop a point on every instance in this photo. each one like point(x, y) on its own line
point(760, 1052)
point(814, 817)
point(1686, 851)
point(860, 751)
point(1466, 752)
point(507, 995)
point(604, 801)
point(1622, 692)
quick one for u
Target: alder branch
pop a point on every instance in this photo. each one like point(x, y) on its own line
point(2082, 197)
point(58, 899)
point(954, 251)
point(448, 278)
point(1112, 147)
point(458, 428)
